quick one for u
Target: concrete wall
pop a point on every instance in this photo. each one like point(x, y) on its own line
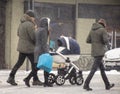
point(58, 1)
point(17, 11)
point(14, 11)
point(83, 27)
point(111, 2)
point(7, 34)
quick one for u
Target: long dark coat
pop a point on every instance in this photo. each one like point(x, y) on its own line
point(41, 39)
point(98, 37)
point(26, 34)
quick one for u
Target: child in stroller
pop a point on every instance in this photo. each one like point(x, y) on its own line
point(68, 52)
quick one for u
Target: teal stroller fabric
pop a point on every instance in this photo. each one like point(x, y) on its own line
point(45, 62)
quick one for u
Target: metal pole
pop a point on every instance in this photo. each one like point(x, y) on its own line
point(33, 4)
point(112, 40)
point(76, 16)
point(115, 38)
point(28, 5)
point(76, 9)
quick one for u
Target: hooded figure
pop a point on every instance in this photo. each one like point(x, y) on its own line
point(42, 38)
point(26, 44)
point(26, 35)
point(41, 47)
point(98, 38)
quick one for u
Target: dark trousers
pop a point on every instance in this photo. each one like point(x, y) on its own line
point(97, 64)
point(20, 62)
point(46, 74)
point(34, 71)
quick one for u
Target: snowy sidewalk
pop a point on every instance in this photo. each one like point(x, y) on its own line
point(96, 84)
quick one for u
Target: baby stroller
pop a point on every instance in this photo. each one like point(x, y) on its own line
point(68, 52)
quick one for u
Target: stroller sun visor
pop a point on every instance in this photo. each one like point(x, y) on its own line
point(67, 46)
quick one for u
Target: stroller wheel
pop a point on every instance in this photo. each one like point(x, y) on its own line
point(79, 80)
point(51, 78)
point(60, 80)
point(72, 80)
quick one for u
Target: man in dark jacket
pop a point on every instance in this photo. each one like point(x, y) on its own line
point(98, 38)
point(26, 43)
point(41, 47)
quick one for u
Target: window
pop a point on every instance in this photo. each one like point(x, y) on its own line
point(55, 11)
point(62, 18)
point(109, 12)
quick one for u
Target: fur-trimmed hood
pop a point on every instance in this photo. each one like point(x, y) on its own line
point(26, 18)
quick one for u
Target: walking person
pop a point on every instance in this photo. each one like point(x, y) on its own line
point(26, 44)
point(41, 47)
point(98, 38)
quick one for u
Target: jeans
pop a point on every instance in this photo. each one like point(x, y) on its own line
point(97, 64)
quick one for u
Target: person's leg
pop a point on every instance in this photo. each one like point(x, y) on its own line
point(104, 77)
point(20, 61)
point(33, 65)
point(33, 73)
point(89, 77)
point(46, 74)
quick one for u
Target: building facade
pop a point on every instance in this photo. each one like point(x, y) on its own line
point(69, 17)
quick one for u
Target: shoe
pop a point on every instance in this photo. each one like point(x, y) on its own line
point(37, 82)
point(11, 81)
point(87, 88)
point(110, 86)
point(48, 85)
point(26, 82)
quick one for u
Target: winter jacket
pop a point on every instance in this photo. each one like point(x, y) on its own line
point(98, 37)
point(26, 34)
point(41, 40)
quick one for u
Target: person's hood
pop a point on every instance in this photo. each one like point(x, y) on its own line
point(96, 26)
point(44, 22)
point(25, 18)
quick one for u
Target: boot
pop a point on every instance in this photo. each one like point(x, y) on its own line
point(48, 85)
point(37, 82)
point(11, 81)
point(26, 82)
point(86, 87)
point(110, 86)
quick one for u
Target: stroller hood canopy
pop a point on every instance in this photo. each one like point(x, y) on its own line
point(70, 44)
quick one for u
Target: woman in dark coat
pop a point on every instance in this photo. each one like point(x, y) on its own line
point(41, 47)
point(98, 38)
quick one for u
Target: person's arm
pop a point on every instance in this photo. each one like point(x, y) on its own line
point(88, 40)
point(31, 32)
point(106, 39)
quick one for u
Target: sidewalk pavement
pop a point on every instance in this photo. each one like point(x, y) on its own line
point(96, 84)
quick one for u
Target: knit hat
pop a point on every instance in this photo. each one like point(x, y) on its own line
point(30, 13)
